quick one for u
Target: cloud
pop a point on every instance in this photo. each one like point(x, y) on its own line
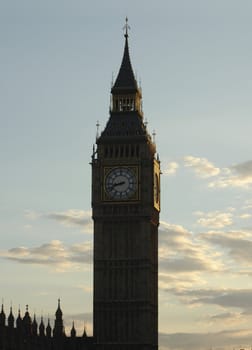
point(171, 168)
point(245, 216)
point(72, 217)
point(31, 214)
point(183, 257)
point(55, 254)
point(223, 297)
point(238, 244)
point(214, 219)
point(202, 167)
point(233, 298)
point(69, 218)
point(239, 175)
point(202, 341)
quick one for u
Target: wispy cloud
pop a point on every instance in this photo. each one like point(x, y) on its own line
point(237, 243)
point(55, 255)
point(239, 175)
point(183, 257)
point(171, 168)
point(202, 341)
point(231, 298)
point(202, 167)
point(69, 218)
point(215, 219)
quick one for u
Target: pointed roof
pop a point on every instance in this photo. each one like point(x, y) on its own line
point(85, 332)
point(11, 318)
point(42, 327)
point(2, 316)
point(58, 313)
point(73, 331)
point(125, 79)
point(19, 320)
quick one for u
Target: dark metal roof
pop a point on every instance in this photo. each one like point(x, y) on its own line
point(125, 79)
point(124, 124)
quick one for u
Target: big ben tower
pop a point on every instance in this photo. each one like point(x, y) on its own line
point(126, 205)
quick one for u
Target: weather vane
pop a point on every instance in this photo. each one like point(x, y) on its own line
point(126, 27)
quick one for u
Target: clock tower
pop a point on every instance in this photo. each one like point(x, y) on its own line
point(126, 205)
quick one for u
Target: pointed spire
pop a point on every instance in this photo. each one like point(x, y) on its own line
point(58, 329)
point(125, 79)
point(42, 328)
point(11, 319)
point(85, 332)
point(48, 329)
point(58, 313)
point(19, 320)
point(34, 326)
point(73, 331)
point(27, 323)
point(2, 316)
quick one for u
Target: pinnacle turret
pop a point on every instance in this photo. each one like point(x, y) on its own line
point(11, 319)
point(2, 317)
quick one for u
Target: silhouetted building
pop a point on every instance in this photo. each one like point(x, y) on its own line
point(126, 205)
point(28, 335)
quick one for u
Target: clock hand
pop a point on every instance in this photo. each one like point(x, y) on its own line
point(119, 183)
point(116, 184)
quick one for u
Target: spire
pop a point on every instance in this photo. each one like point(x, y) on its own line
point(2, 317)
point(85, 332)
point(58, 329)
point(73, 331)
point(42, 328)
point(11, 319)
point(27, 322)
point(19, 320)
point(34, 326)
point(125, 79)
point(58, 313)
point(48, 329)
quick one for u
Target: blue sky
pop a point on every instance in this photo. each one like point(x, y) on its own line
point(193, 59)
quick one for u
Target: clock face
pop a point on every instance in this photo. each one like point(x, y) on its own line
point(121, 183)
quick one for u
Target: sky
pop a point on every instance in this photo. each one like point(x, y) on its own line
point(193, 60)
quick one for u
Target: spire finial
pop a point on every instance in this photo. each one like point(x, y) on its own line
point(126, 27)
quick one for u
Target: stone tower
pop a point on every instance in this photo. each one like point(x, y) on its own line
point(126, 205)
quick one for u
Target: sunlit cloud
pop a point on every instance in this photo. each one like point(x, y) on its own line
point(245, 216)
point(214, 219)
point(183, 258)
point(202, 167)
point(238, 244)
point(72, 217)
point(239, 175)
point(170, 169)
point(224, 340)
point(54, 255)
point(69, 218)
